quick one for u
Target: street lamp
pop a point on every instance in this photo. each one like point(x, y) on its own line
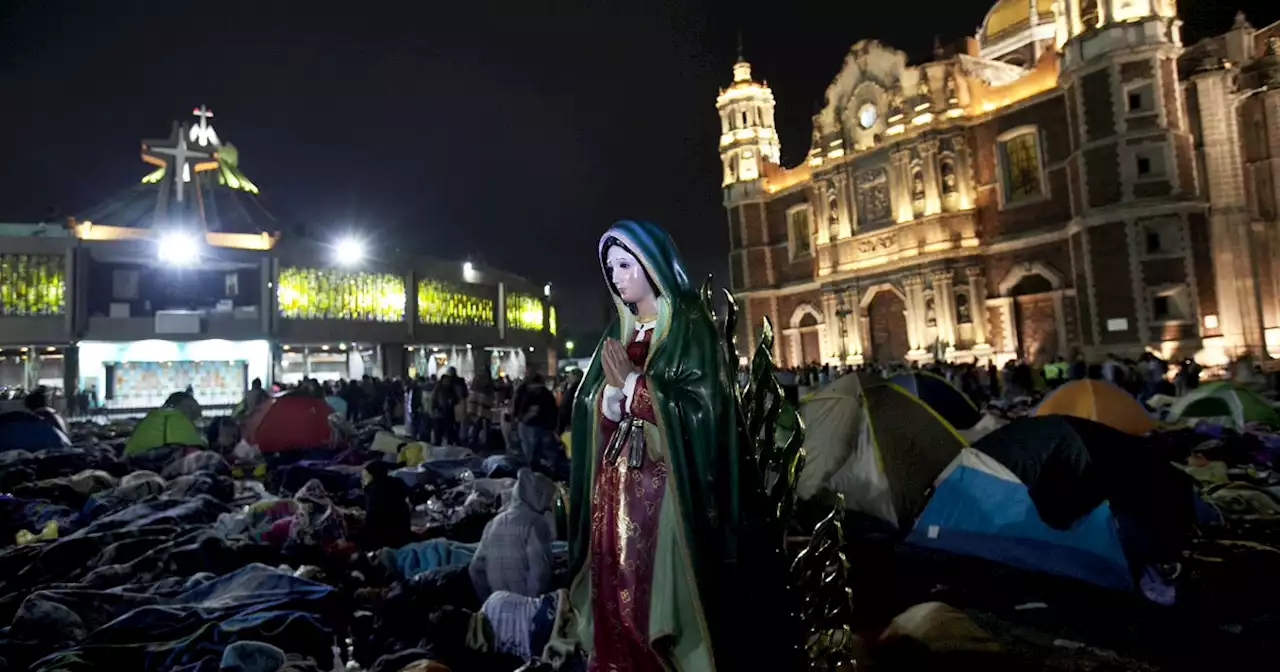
point(546, 290)
point(568, 347)
point(349, 251)
point(178, 248)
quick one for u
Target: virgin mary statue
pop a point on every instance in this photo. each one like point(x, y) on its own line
point(653, 502)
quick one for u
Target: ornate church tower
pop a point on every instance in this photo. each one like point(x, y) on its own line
point(1142, 270)
point(748, 137)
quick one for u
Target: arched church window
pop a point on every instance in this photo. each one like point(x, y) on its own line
point(962, 309)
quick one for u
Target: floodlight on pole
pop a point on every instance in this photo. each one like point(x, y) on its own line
point(546, 290)
point(178, 248)
point(349, 251)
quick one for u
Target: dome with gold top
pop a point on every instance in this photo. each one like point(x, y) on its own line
point(1016, 31)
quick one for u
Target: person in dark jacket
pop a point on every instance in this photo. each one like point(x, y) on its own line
point(535, 409)
point(386, 505)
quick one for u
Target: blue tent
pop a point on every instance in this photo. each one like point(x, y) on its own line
point(953, 405)
point(980, 508)
point(23, 430)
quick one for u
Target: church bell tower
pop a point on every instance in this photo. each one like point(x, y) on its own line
point(748, 137)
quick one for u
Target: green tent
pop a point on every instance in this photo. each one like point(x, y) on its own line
point(163, 427)
point(1222, 403)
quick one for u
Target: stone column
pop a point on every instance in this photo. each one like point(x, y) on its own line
point(914, 286)
point(844, 191)
point(832, 341)
point(964, 172)
point(853, 325)
point(932, 187)
point(945, 306)
point(864, 331)
point(900, 187)
point(977, 304)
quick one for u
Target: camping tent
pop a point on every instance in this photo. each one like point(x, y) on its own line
point(1060, 495)
point(163, 427)
point(883, 459)
point(1099, 401)
point(289, 422)
point(1222, 403)
point(24, 430)
point(953, 405)
point(185, 403)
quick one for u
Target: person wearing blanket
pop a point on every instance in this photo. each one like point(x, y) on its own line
point(515, 549)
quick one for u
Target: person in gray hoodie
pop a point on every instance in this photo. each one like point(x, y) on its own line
point(515, 549)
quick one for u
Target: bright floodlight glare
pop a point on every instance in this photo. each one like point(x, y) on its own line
point(178, 249)
point(546, 289)
point(349, 251)
point(467, 267)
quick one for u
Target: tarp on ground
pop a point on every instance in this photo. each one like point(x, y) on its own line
point(291, 422)
point(1061, 495)
point(186, 403)
point(24, 430)
point(163, 427)
point(1099, 401)
point(953, 405)
point(884, 459)
point(1223, 403)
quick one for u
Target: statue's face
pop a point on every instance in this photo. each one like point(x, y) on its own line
point(628, 276)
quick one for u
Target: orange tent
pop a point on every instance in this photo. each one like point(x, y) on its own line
point(291, 422)
point(1099, 401)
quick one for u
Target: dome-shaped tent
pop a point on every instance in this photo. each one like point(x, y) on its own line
point(187, 404)
point(291, 422)
point(1222, 403)
point(24, 430)
point(163, 427)
point(1099, 401)
point(881, 449)
point(953, 405)
point(1058, 494)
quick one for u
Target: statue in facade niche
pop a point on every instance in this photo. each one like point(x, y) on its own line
point(917, 184)
point(948, 171)
point(669, 556)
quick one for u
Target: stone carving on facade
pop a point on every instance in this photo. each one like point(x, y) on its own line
point(877, 244)
point(963, 315)
point(833, 211)
point(872, 189)
point(917, 187)
point(947, 168)
point(930, 314)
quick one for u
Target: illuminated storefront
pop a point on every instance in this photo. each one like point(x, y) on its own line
point(142, 374)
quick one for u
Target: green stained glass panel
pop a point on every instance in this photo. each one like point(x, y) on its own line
point(524, 312)
point(327, 294)
point(32, 285)
point(445, 303)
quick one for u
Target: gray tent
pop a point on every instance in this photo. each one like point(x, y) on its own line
point(881, 448)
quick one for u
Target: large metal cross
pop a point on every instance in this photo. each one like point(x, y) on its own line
point(177, 158)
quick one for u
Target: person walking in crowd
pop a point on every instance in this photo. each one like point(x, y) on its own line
point(535, 409)
point(480, 403)
point(448, 394)
point(255, 397)
point(514, 553)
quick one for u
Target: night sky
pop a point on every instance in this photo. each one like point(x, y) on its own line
point(512, 132)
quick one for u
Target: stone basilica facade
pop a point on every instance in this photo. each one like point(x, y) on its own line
point(1073, 178)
